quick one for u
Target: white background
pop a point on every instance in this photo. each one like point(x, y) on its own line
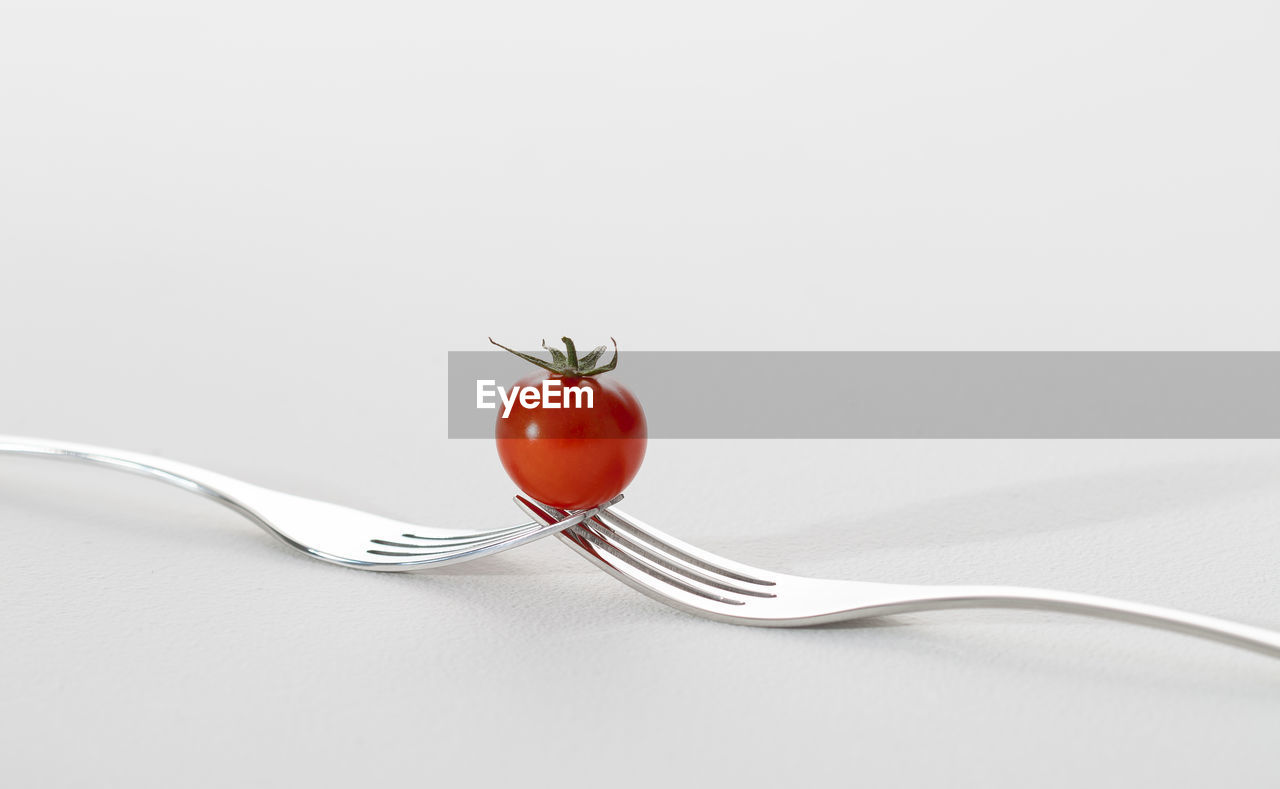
point(244, 234)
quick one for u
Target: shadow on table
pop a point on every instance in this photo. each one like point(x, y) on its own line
point(1024, 508)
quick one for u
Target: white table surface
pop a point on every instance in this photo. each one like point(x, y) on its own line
point(244, 236)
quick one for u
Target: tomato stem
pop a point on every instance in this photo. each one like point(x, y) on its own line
point(567, 363)
point(571, 352)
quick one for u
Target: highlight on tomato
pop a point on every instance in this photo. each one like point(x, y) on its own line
point(571, 436)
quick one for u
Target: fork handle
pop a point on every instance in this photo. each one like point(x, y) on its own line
point(1249, 637)
point(224, 490)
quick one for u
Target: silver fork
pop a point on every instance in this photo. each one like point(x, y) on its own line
point(329, 532)
point(701, 583)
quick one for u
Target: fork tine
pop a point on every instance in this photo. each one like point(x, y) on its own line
point(446, 544)
point(652, 546)
point(681, 550)
point(460, 548)
point(671, 563)
point(483, 541)
point(645, 577)
point(640, 566)
point(426, 548)
point(468, 537)
point(633, 570)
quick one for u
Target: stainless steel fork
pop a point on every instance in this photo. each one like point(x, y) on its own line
point(329, 532)
point(701, 583)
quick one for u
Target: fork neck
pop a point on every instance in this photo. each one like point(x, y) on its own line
point(224, 490)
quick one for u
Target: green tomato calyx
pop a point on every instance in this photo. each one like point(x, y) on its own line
point(566, 362)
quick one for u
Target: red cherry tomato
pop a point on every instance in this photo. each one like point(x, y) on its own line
point(574, 458)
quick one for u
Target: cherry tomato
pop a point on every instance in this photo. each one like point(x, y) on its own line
point(574, 458)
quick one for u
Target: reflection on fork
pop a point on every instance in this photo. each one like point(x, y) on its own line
point(707, 585)
point(325, 531)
